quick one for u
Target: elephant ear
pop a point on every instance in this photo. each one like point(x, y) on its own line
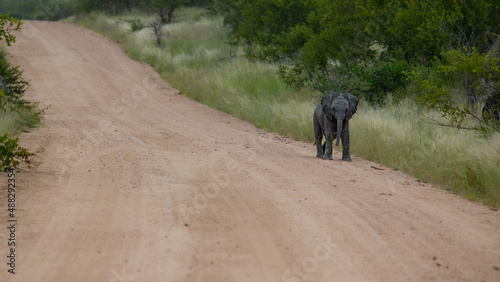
point(326, 105)
point(353, 105)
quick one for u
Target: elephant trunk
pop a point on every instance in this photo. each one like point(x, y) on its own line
point(339, 130)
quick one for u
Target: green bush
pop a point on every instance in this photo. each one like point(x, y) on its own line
point(13, 108)
point(135, 24)
point(11, 154)
point(438, 86)
point(12, 77)
point(7, 26)
point(371, 81)
point(383, 78)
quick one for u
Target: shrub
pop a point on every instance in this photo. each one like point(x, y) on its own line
point(135, 24)
point(15, 84)
point(479, 70)
point(11, 154)
point(382, 78)
point(373, 82)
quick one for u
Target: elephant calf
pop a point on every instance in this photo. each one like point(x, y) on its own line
point(331, 119)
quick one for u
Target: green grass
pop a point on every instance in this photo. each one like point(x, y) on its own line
point(459, 160)
point(19, 120)
point(192, 61)
point(15, 118)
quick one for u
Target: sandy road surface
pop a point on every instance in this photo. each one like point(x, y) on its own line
point(134, 182)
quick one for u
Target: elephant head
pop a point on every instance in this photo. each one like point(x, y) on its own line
point(339, 107)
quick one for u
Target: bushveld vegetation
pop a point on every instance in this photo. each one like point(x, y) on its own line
point(16, 114)
point(197, 57)
point(423, 70)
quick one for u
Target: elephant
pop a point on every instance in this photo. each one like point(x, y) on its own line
point(331, 119)
point(491, 109)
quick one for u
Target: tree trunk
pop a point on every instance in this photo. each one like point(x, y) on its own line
point(471, 93)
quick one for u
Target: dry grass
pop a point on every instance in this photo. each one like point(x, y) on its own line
point(394, 135)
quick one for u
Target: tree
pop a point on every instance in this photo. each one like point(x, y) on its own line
point(14, 84)
point(201, 3)
point(310, 38)
point(265, 23)
point(109, 6)
point(165, 9)
point(435, 90)
point(420, 31)
point(360, 45)
point(334, 38)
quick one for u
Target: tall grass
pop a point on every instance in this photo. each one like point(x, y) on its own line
point(397, 137)
point(13, 121)
point(195, 59)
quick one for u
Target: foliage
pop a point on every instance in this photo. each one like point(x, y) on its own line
point(135, 24)
point(384, 77)
point(371, 81)
point(484, 67)
point(415, 31)
point(12, 87)
point(438, 97)
point(110, 6)
point(7, 26)
point(200, 3)
point(419, 31)
point(321, 44)
point(11, 154)
point(485, 73)
point(3, 100)
point(15, 84)
point(316, 42)
point(18, 9)
point(314, 32)
point(165, 9)
point(230, 11)
point(51, 10)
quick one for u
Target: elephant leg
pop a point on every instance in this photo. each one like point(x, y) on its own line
point(329, 136)
point(346, 154)
point(318, 135)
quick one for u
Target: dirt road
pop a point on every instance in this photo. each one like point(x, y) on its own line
point(134, 182)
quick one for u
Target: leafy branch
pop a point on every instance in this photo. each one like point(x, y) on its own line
point(7, 26)
point(435, 93)
point(11, 154)
point(12, 87)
